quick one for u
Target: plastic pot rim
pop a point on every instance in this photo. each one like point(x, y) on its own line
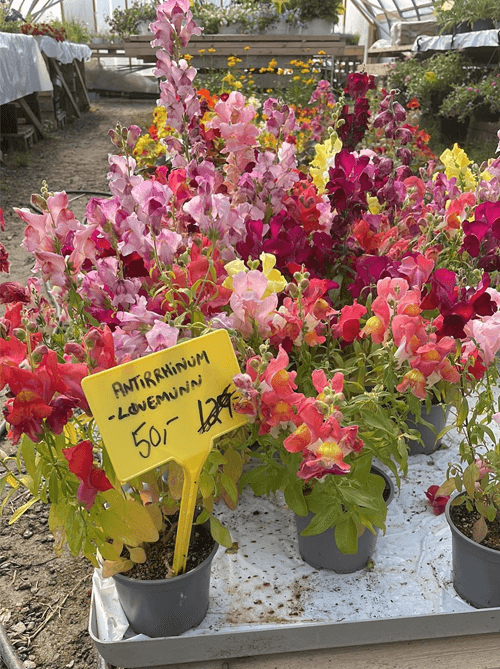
point(488, 551)
point(140, 583)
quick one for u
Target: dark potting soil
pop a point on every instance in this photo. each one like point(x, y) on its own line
point(160, 555)
point(464, 521)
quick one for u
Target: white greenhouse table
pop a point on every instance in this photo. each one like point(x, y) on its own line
point(22, 67)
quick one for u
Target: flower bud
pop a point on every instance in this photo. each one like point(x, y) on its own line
point(19, 334)
point(292, 290)
point(4, 328)
point(254, 364)
point(321, 407)
point(304, 284)
point(38, 353)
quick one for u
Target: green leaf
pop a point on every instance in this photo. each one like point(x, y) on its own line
point(29, 456)
point(471, 475)
point(220, 533)
point(229, 487)
point(319, 524)
point(22, 509)
point(233, 465)
point(346, 536)
point(74, 530)
point(126, 521)
point(137, 554)
point(53, 487)
point(447, 488)
point(294, 498)
point(207, 484)
point(112, 568)
point(463, 412)
point(379, 422)
point(360, 498)
point(108, 552)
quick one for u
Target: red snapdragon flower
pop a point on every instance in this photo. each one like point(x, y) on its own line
point(438, 503)
point(93, 479)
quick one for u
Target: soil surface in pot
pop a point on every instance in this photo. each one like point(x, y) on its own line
point(464, 521)
point(160, 555)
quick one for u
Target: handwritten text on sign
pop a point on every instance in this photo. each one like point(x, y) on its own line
point(167, 405)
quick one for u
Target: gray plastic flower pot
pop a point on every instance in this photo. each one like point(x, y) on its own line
point(437, 416)
point(476, 569)
point(321, 551)
point(166, 607)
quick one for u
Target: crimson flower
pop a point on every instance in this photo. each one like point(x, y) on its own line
point(25, 414)
point(438, 503)
point(12, 291)
point(93, 479)
point(4, 256)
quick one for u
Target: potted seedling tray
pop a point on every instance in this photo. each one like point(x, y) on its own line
point(264, 599)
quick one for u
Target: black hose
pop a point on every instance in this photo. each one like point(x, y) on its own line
point(7, 651)
point(96, 193)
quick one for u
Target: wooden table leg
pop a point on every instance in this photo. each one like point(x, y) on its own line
point(29, 112)
point(66, 88)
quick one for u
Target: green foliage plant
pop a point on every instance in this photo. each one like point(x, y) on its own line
point(451, 13)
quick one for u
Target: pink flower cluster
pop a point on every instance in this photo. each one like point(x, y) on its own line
point(268, 394)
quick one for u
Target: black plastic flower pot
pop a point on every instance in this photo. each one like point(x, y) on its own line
point(166, 607)
point(321, 552)
point(476, 568)
point(437, 417)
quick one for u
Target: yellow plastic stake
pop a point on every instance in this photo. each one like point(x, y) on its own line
point(169, 405)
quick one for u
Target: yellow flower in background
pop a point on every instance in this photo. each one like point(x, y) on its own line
point(321, 52)
point(188, 57)
point(201, 50)
point(373, 204)
point(296, 78)
point(211, 50)
point(246, 48)
point(456, 163)
point(267, 140)
point(486, 175)
point(430, 77)
point(273, 63)
point(276, 282)
point(324, 158)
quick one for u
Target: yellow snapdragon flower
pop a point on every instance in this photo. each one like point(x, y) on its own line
point(276, 282)
point(456, 163)
point(324, 158)
point(374, 205)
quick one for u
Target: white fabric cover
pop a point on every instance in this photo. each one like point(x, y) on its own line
point(22, 68)
point(459, 41)
point(64, 52)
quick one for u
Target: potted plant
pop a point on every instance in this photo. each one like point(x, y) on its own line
point(129, 20)
point(472, 513)
point(477, 15)
point(319, 16)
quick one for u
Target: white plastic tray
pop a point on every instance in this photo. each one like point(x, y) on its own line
point(264, 599)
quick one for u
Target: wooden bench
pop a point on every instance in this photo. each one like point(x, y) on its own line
point(328, 52)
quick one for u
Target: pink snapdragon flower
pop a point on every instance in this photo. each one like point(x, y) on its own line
point(250, 309)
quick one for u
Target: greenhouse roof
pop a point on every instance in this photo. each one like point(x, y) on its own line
point(387, 12)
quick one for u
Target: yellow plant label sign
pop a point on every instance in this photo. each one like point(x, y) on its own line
point(166, 406)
